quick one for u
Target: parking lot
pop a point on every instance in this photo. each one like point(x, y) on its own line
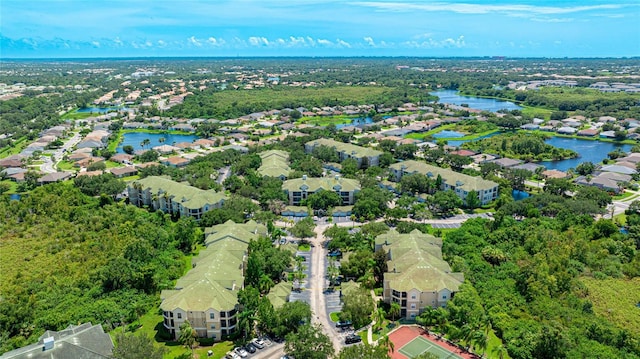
point(304, 295)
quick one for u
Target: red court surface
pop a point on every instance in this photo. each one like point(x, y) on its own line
point(404, 334)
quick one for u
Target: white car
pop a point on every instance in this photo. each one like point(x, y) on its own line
point(232, 355)
point(241, 352)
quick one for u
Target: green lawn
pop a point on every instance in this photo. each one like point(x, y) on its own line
point(66, 166)
point(304, 247)
point(334, 316)
point(615, 299)
point(537, 112)
point(623, 195)
point(13, 186)
point(18, 146)
point(73, 115)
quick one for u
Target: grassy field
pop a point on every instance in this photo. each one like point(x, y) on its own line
point(327, 120)
point(73, 115)
point(616, 300)
point(334, 316)
point(537, 112)
point(66, 166)
point(18, 146)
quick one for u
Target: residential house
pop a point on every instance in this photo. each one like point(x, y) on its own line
point(506, 162)
point(163, 194)
point(54, 177)
point(175, 161)
point(299, 189)
point(364, 156)
point(120, 172)
point(459, 183)
point(207, 296)
point(554, 174)
point(121, 158)
point(84, 341)
point(590, 132)
point(567, 130)
point(417, 276)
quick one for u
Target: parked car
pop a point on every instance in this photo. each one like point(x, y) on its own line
point(335, 253)
point(258, 343)
point(232, 355)
point(344, 324)
point(352, 338)
point(241, 352)
point(250, 348)
point(283, 240)
point(266, 341)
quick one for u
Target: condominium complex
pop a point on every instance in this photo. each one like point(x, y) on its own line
point(207, 296)
point(417, 276)
point(365, 157)
point(299, 189)
point(163, 194)
point(459, 183)
point(275, 163)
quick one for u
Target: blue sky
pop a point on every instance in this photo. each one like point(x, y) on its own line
point(114, 28)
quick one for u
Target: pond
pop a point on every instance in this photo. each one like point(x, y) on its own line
point(519, 195)
point(589, 151)
point(135, 139)
point(487, 104)
point(355, 122)
point(15, 196)
point(99, 109)
point(448, 134)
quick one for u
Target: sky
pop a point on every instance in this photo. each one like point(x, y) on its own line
point(229, 28)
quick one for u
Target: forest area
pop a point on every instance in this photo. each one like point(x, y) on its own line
point(69, 258)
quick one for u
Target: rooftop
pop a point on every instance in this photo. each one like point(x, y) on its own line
point(345, 147)
point(188, 196)
point(467, 183)
point(313, 184)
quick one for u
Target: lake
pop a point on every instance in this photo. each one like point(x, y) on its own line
point(487, 104)
point(355, 122)
point(448, 134)
point(99, 109)
point(589, 151)
point(135, 138)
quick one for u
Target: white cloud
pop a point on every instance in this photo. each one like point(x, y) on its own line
point(463, 8)
point(193, 41)
point(296, 41)
point(215, 42)
point(325, 42)
point(258, 41)
point(435, 44)
point(117, 41)
point(95, 43)
point(162, 43)
point(342, 43)
point(369, 41)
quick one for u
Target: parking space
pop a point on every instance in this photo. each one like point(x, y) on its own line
point(446, 225)
point(303, 295)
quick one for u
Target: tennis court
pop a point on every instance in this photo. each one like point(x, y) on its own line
point(421, 345)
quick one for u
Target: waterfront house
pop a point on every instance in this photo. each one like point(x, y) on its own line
point(459, 183)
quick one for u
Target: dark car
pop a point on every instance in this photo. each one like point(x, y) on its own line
point(344, 324)
point(352, 338)
point(250, 348)
point(335, 253)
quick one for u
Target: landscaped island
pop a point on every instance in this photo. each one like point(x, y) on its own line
point(523, 146)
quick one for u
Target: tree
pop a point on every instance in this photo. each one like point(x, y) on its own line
point(378, 317)
point(444, 202)
point(4, 187)
point(500, 351)
point(595, 194)
point(394, 310)
point(349, 168)
point(291, 316)
point(406, 152)
point(309, 342)
point(473, 200)
point(188, 336)
point(145, 142)
point(585, 168)
point(380, 265)
point(304, 228)
point(371, 202)
point(130, 346)
point(97, 166)
point(358, 306)
point(128, 149)
point(186, 234)
point(558, 186)
point(366, 351)
point(323, 200)
point(387, 344)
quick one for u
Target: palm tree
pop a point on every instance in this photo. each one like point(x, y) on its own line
point(188, 336)
point(378, 317)
point(394, 311)
point(386, 342)
point(480, 340)
point(500, 351)
point(145, 142)
point(162, 139)
point(332, 271)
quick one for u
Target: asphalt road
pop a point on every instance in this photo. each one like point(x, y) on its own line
point(49, 165)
